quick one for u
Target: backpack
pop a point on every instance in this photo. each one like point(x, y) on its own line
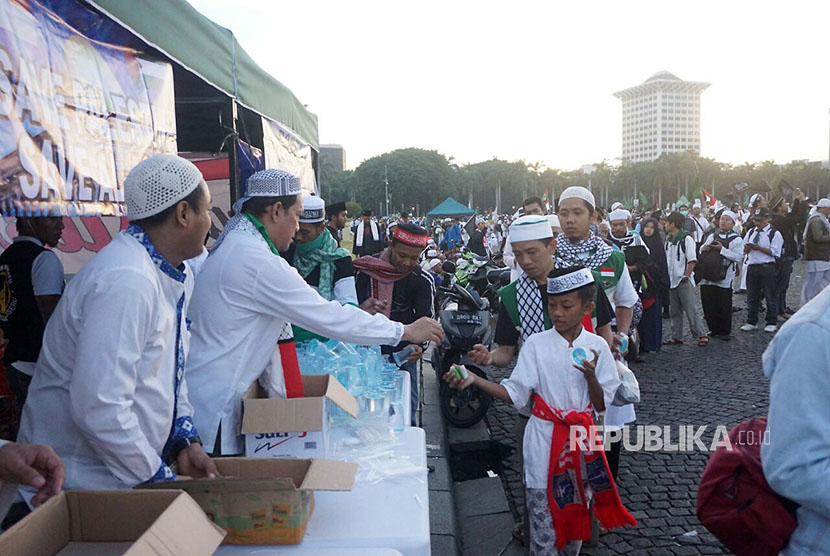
point(734, 501)
point(711, 265)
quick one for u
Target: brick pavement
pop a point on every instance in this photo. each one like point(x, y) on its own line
point(720, 384)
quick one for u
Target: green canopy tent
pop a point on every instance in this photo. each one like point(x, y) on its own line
point(450, 207)
point(222, 96)
point(212, 52)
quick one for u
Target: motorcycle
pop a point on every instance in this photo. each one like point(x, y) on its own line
point(465, 318)
point(475, 270)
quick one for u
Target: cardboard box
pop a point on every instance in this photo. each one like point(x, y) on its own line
point(293, 427)
point(132, 522)
point(266, 501)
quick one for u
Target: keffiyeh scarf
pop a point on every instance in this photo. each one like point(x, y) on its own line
point(629, 239)
point(322, 252)
point(590, 253)
point(529, 305)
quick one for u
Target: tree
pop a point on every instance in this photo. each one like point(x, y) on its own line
point(339, 187)
point(416, 177)
point(353, 209)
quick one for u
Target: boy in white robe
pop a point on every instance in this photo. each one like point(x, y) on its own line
point(567, 386)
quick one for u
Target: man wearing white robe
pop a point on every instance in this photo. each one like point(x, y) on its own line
point(244, 299)
point(109, 392)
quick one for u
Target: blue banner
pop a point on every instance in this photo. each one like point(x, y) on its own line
point(76, 114)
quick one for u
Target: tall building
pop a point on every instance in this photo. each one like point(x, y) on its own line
point(335, 155)
point(662, 115)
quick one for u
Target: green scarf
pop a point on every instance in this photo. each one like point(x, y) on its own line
point(261, 229)
point(681, 235)
point(322, 251)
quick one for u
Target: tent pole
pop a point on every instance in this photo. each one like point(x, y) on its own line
point(233, 160)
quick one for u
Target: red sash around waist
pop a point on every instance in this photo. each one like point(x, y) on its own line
point(566, 495)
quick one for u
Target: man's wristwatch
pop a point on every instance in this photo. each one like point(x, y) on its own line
point(181, 444)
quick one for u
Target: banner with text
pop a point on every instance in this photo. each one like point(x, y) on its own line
point(286, 151)
point(75, 116)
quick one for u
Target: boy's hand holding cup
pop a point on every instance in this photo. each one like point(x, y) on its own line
point(458, 377)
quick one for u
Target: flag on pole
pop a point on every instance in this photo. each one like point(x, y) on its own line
point(710, 198)
point(545, 201)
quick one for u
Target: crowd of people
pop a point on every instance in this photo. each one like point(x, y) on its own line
point(142, 360)
point(183, 331)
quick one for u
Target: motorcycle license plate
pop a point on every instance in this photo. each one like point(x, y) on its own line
point(466, 318)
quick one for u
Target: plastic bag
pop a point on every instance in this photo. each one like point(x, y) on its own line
point(629, 389)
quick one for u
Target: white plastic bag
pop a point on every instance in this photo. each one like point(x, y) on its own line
point(629, 389)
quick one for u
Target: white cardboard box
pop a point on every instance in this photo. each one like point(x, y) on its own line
point(293, 427)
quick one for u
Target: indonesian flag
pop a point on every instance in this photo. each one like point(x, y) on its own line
point(710, 199)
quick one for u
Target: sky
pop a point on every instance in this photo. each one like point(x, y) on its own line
point(535, 80)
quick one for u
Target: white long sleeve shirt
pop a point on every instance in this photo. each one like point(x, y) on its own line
point(243, 297)
point(103, 391)
point(546, 366)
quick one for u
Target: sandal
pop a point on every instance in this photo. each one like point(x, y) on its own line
point(672, 342)
point(703, 341)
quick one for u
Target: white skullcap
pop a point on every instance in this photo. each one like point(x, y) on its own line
point(730, 214)
point(754, 198)
point(530, 227)
point(433, 263)
point(314, 209)
point(619, 214)
point(553, 220)
point(432, 253)
point(696, 204)
point(577, 278)
point(823, 203)
point(269, 183)
point(158, 183)
point(617, 205)
point(577, 192)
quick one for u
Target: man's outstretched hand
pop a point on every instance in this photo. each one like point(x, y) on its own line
point(423, 330)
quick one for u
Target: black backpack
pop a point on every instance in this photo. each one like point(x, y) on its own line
point(711, 265)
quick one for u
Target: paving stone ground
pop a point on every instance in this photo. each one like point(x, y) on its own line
point(720, 384)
